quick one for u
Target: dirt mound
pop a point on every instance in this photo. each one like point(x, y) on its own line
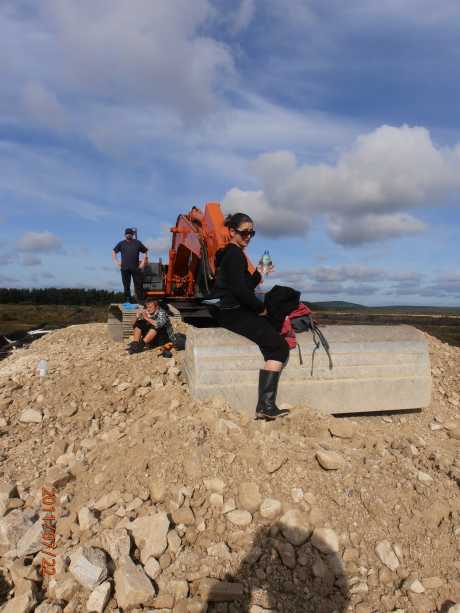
point(166, 503)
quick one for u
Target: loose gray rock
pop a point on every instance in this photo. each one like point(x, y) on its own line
point(270, 508)
point(89, 566)
point(274, 462)
point(13, 527)
point(239, 517)
point(295, 527)
point(48, 607)
point(174, 541)
point(152, 568)
point(249, 496)
point(150, 534)
point(342, 429)
point(107, 501)
point(99, 598)
point(132, 586)
point(31, 416)
point(330, 460)
point(86, 519)
point(424, 477)
point(116, 542)
point(31, 541)
point(325, 540)
point(413, 585)
point(386, 555)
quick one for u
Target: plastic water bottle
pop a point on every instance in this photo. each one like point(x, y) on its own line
point(42, 368)
point(266, 262)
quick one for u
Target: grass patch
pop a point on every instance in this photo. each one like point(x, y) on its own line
point(22, 317)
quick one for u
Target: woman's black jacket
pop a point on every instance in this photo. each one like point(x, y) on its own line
point(234, 283)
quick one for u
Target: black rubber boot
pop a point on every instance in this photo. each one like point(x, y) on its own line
point(268, 388)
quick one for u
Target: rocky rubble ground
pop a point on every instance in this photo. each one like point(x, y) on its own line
point(168, 504)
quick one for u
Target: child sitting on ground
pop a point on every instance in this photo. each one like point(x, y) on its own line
point(152, 328)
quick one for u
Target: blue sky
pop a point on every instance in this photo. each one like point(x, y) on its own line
point(335, 125)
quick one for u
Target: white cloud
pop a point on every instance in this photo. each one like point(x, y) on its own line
point(269, 220)
point(43, 105)
point(159, 245)
point(244, 16)
point(367, 228)
point(347, 273)
point(364, 195)
point(41, 242)
point(5, 280)
point(149, 52)
point(6, 259)
point(31, 260)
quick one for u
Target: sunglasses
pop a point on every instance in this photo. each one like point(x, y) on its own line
point(246, 233)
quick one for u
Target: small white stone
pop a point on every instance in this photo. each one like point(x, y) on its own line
point(86, 519)
point(413, 585)
point(89, 566)
point(31, 416)
point(325, 540)
point(270, 508)
point(215, 485)
point(330, 460)
point(99, 598)
point(216, 500)
point(424, 477)
point(386, 555)
point(239, 517)
point(229, 505)
point(152, 568)
point(295, 527)
point(359, 588)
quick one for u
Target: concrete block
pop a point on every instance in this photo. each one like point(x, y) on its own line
point(375, 368)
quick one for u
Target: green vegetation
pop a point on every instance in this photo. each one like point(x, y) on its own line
point(56, 296)
point(22, 310)
point(444, 324)
point(23, 317)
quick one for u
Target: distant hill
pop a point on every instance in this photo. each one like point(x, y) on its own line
point(334, 304)
point(343, 305)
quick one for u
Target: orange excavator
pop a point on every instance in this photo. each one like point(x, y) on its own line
point(189, 275)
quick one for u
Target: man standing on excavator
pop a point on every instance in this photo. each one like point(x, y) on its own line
point(130, 266)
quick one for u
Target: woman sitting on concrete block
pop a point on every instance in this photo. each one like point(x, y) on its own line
point(241, 312)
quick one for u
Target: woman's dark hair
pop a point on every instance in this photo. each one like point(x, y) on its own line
point(234, 221)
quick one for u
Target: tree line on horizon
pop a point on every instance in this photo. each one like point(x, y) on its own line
point(56, 295)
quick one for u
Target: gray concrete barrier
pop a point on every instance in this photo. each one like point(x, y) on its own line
point(375, 368)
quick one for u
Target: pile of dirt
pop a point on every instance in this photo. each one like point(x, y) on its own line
point(164, 503)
